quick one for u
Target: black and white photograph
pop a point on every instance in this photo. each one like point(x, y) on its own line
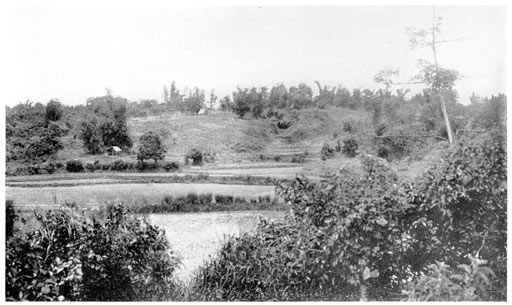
point(259, 151)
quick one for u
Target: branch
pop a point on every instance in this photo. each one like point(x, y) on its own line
point(469, 130)
point(408, 136)
point(410, 83)
point(445, 41)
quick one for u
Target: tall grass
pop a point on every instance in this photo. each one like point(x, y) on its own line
point(193, 202)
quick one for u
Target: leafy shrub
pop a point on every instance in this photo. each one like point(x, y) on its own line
point(299, 159)
point(28, 137)
point(222, 199)
point(377, 168)
point(49, 167)
point(119, 165)
point(327, 152)
point(196, 155)
point(171, 166)
point(142, 166)
point(205, 199)
point(383, 151)
point(90, 166)
point(209, 157)
point(263, 157)
point(430, 117)
point(284, 124)
point(343, 235)
point(348, 127)
point(360, 237)
point(393, 146)
point(349, 148)
point(491, 113)
point(470, 283)
point(248, 146)
point(76, 258)
point(150, 147)
point(266, 265)
point(10, 218)
point(34, 169)
point(74, 166)
point(466, 199)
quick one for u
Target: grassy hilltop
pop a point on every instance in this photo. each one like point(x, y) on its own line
point(230, 138)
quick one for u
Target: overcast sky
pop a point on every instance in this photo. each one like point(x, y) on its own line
point(75, 53)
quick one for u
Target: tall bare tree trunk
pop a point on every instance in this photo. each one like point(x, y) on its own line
point(443, 104)
point(446, 119)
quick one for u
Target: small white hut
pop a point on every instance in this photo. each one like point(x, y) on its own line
point(114, 150)
point(202, 111)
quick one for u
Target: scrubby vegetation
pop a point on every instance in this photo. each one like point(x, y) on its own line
point(76, 166)
point(75, 257)
point(364, 236)
point(193, 202)
point(367, 237)
point(30, 136)
point(356, 229)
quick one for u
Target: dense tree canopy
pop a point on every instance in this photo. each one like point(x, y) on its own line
point(53, 110)
point(29, 136)
point(150, 147)
point(105, 124)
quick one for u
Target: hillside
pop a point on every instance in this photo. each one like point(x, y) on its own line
point(231, 138)
point(218, 133)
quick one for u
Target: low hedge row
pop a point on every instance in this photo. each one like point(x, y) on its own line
point(193, 202)
point(77, 166)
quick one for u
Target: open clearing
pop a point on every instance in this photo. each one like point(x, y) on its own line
point(93, 195)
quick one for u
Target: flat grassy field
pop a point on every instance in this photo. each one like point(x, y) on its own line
point(94, 195)
point(276, 172)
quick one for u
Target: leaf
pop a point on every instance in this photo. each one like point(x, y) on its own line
point(370, 274)
point(45, 290)
point(382, 221)
point(374, 274)
point(487, 270)
point(464, 267)
point(366, 273)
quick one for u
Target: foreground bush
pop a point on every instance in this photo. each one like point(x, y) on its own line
point(342, 239)
point(368, 237)
point(76, 258)
point(466, 200)
point(441, 283)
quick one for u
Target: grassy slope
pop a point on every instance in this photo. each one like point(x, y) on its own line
point(233, 140)
point(218, 133)
point(226, 135)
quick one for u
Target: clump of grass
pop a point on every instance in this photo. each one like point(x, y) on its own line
point(207, 202)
